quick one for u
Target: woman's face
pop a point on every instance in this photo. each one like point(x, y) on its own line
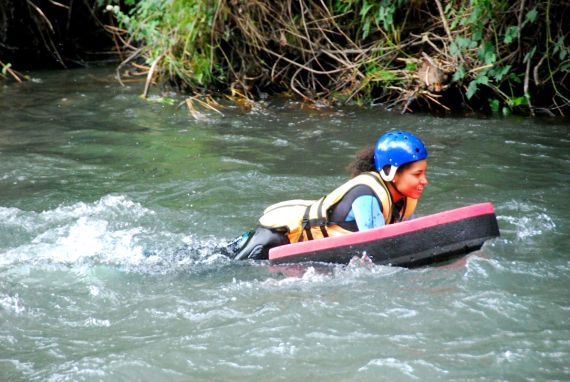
point(411, 181)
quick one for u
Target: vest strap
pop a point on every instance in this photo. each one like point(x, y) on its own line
point(322, 219)
point(306, 225)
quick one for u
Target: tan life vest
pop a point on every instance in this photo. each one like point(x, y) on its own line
point(308, 219)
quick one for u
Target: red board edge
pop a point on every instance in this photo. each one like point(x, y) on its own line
point(383, 232)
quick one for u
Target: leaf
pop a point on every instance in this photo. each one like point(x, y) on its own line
point(477, 36)
point(386, 15)
point(556, 49)
point(499, 72)
point(454, 49)
point(366, 29)
point(486, 53)
point(559, 46)
point(531, 16)
point(471, 89)
point(511, 33)
point(490, 57)
point(454, 22)
point(515, 78)
point(411, 66)
point(494, 105)
point(365, 8)
point(459, 74)
point(5, 68)
point(519, 101)
point(474, 17)
point(482, 79)
point(529, 55)
point(463, 42)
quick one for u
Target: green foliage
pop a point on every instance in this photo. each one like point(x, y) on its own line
point(500, 49)
point(530, 16)
point(373, 14)
point(176, 32)
point(494, 105)
point(560, 48)
point(486, 33)
point(381, 75)
point(511, 34)
point(459, 74)
point(163, 100)
point(411, 66)
point(5, 68)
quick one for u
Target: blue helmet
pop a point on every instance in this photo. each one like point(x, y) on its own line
point(395, 149)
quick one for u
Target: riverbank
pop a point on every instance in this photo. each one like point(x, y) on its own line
point(405, 55)
point(488, 55)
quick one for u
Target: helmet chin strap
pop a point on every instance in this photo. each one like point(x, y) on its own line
point(390, 176)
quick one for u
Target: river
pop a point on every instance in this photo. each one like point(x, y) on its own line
point(112, 207)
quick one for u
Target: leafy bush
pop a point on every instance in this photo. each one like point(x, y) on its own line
point(497, 54)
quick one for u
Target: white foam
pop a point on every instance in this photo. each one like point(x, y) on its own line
point(105, 231)
point(12, 303)
point(94, 322)
point(403, 367)
point(529, 226)
point(527, 220)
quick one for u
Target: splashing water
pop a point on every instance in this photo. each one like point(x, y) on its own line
point(112, 215)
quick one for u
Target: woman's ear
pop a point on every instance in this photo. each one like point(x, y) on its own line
point(396, 177)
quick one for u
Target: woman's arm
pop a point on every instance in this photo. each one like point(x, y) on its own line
point(367, 212)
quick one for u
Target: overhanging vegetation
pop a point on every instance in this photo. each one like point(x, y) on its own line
point(409, 54)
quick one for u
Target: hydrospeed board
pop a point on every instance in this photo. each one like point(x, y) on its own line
point(421, 241)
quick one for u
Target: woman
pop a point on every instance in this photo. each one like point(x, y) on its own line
point(388, 179)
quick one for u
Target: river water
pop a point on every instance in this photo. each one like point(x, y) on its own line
point(111, 208)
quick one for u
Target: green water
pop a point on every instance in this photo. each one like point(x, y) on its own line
point(111, 208)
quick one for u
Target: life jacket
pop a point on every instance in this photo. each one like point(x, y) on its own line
point(309, 219)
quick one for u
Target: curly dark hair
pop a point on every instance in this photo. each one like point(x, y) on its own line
point(364, 162)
